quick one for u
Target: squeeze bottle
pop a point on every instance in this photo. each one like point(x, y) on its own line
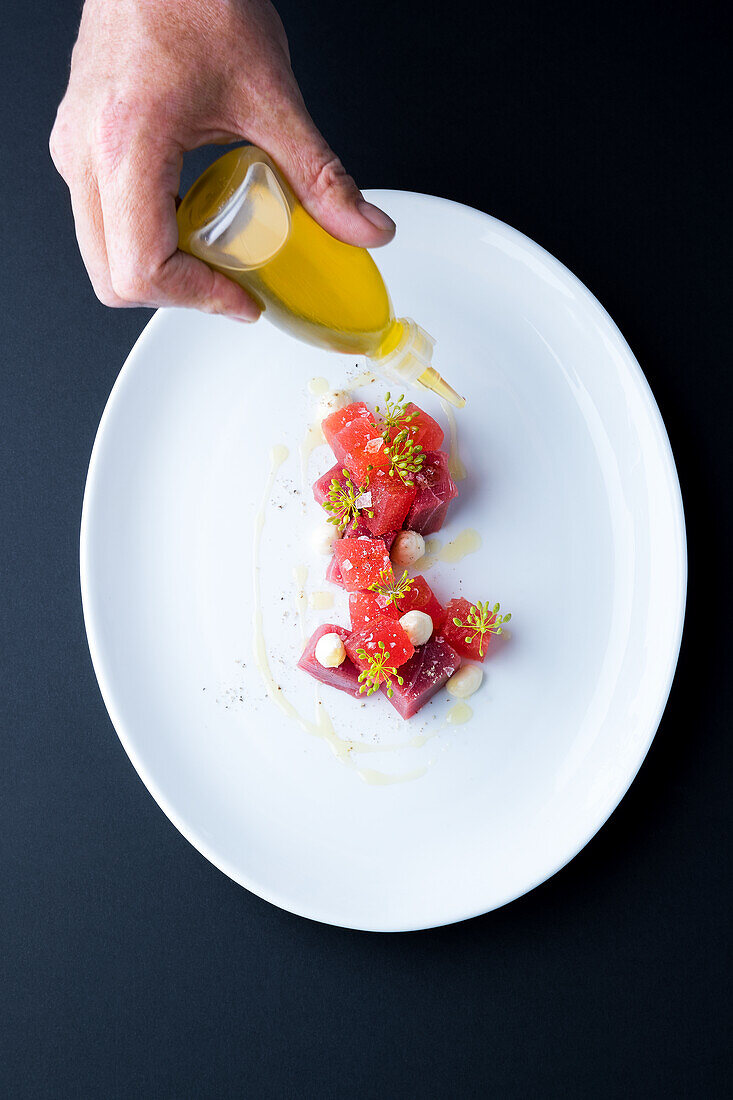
point(241, 217)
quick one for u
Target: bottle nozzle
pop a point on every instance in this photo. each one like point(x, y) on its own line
point(435, 382)
point(410, 358)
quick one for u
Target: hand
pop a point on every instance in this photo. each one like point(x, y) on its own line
point(151, 79)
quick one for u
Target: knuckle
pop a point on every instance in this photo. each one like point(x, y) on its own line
point(113, 129)
point(328, 177)
point(60, 145)
point(177, 280)
point(197, 282)
point(130, 285)
point(185, 280)
point(107, 297)
point(57, 152)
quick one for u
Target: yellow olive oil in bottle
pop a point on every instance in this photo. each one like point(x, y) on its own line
point(241, 218)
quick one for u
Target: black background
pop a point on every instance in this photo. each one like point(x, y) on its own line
point(131, 967)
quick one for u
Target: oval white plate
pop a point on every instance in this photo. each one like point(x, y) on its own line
point(573, 488)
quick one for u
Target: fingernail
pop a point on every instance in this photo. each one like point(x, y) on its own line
point(377, 217)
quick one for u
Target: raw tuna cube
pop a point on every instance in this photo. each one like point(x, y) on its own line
point(456, 635)
point(359, 527)
point(435, 488)
point(345, 677)
point(365, 609)
point(424, 674)
point(391, 501)
point(423, 429)
point(388, 538)
point(390, 634)
point(420, 597)
point(323, 484)
point(361, 562)
point(359, 445)
point(333, 424)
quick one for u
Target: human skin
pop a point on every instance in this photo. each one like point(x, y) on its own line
point(151, 79)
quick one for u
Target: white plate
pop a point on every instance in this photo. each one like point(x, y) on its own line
point(573, 489)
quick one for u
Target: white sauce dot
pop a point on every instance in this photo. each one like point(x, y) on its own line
point(330, 651)
point(465, 682)
point(324, 538)
point(417, 626)
point(330, 402)
point(407, 548)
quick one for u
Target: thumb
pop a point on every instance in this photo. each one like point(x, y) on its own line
point(320, 181)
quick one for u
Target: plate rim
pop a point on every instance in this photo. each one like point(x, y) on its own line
point(198, 841)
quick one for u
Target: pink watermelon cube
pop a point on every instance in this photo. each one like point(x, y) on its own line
point(365, 610)
point(345, 677)
point(337, 421)
point(435, 489)
point(426, 672)
point(420, 597)
point(457, 635)
point(355, 440)
point(356, 529)
point(423, 429)
point(361, 449)
point(389, 633)
point(391, 500)
point(333, 572)
point(361, 562)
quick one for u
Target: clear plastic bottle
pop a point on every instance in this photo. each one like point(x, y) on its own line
point(241, 218)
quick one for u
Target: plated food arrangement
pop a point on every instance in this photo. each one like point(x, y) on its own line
point(389, 488)
point(200, 591)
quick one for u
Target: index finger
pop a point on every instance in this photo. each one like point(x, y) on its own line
point(138, 199)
